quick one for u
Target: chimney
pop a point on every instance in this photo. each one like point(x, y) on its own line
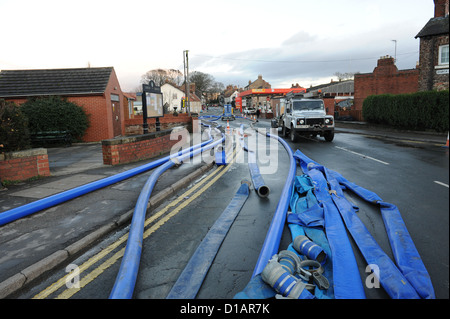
point(440, 8)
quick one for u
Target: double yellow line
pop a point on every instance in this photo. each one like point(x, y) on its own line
point(201, 186)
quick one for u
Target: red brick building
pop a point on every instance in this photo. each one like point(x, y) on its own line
point(385, 79)
point(97, 90)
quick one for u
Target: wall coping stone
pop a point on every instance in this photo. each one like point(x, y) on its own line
point(135, 138)
point(22, 154)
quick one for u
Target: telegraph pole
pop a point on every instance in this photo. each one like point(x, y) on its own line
point(187, 85)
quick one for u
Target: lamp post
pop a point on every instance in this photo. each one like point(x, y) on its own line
point(395, 56)
point(187, 86)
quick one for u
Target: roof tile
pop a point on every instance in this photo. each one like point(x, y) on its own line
point(18, 83)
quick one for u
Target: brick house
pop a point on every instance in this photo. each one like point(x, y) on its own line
point(97, 90)
point(385, 79)
point(434, 50)
point(258, 84)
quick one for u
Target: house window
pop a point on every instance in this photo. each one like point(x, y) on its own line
point(443, 54)
point(115, 98)
point(130, 107)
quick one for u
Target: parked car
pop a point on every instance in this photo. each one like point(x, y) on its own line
point(249, 111)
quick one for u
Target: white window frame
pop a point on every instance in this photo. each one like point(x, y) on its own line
point(441, 49)
point(130, 107)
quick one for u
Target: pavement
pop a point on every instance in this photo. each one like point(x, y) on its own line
point(34, 245)
point(430, 137)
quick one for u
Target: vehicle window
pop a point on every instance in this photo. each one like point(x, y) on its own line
point(308, 105)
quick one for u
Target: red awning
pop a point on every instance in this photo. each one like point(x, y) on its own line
point(271, 91)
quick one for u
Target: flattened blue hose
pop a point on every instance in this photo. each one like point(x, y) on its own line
point(273, 237)
point(346, 277)
point(126, 277)
point(191, 279)
point(405, 253)
point(258, 182)
point(410, 279)
point(392, 280)
point(33, 207)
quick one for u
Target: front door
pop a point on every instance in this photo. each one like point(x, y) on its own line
point(117, 124)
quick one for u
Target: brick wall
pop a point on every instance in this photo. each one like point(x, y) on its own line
point(95, 107)
point(429, 79)
point(440, 8)
point(134, 126)
point(22, 165)
point(385, 79)
point(136, 148)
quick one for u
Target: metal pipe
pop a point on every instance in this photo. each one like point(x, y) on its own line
point(33, 207)
point(273, 237)
point(126, 277)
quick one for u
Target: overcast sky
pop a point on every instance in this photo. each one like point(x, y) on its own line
point(287, 41)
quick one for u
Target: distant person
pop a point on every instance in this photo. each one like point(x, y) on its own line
point(258, 112)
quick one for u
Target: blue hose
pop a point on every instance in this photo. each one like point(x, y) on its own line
point(191, 279)
point(210, 117)
point(33, 207)
point(126, 277)
point(258, 182)
point(273, 237)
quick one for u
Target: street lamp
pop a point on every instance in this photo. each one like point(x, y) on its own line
point(395, 57)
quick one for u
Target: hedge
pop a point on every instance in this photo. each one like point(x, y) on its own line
point(14, 134)
point(54, 113)
point(416, 111)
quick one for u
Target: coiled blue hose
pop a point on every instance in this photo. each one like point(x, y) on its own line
point(126, 277)
point(47, 202)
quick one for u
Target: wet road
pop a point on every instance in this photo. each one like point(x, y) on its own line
point(413, 176)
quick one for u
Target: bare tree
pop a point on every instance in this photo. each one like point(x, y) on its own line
point(344, 76)
point(217, 87)
point(203, 81)
point(161, 76)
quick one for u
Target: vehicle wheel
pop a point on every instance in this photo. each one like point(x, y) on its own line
point(294, 136)
point(329, 136)
point(284, 131)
